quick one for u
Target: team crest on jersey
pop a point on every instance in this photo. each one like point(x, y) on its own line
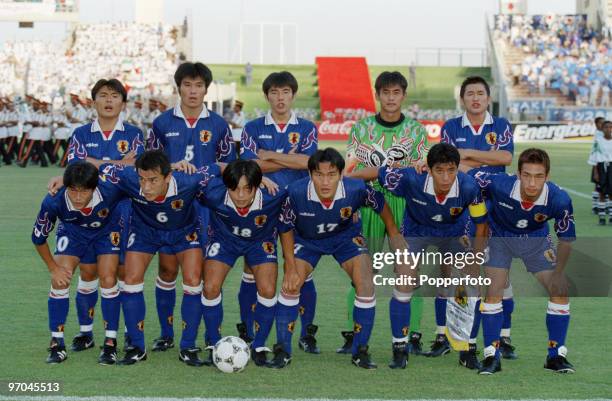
point(540, 218)
point(294, 138)
point(103, 213)
point(192, 237)
point(115, 238)
point(549, 254)
point(268, 247)
point(123, 146)
point(140, 325)
point(177, 204)
point(346, 212)
point(260, 220)
point(359, 241)
point(491, 138)
point(461, 295)
point(205, 136)
point(455, 211)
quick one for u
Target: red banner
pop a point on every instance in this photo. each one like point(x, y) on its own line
point(339, 131)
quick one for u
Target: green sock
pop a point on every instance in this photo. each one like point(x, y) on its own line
point(416, 312)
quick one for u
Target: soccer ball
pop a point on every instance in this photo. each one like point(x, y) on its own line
point(231, 354)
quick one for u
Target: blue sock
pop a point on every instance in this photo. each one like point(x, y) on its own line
point(134, 313)
point(286, 315)
point(86, 299)
point(399, 314)
point(264, 317)
point(191, 314)
point(212, 311)
point(247, 299)
point(308, 304)
point(110, 305)
point(557, 323)
point(492, 318)
point(508, 305)
point(57, 307)
point(364, 310)
point(476, 323)
point(165, 299)
point(440, 307)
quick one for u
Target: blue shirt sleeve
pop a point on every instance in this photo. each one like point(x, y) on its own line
point(45, 221)
point(447, 133)
point(248, 145)
point(226, 149)
point(394, 179)
point(565, 226)
point(310, 144)
point(506, 138)
point(76, 148)
point(373, 199)
point(286, 217)
point(138, 142)
point(155, 139)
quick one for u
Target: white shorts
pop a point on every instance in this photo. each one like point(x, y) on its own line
point(62, 133)
point(39, 134)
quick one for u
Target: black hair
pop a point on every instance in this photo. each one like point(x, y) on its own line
point(113, 84)
point(238, 168)
point(474, 80)
point(81, 174)
point(598, 119)
point(387, 79)
point(154, 160)
point(605, 123)
point(193, 70)
point(330, 155)
point(279, 80)
point(534, 156)
point(442, 153)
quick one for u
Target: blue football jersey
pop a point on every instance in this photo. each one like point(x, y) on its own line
point(205, 142)
point(428, 214)
point(89, 141)
point(298, 136)
point(304, 211)
point(173, 212)
point(510, 216)
point(261, 221)
point(494, 134)
point(99, 213)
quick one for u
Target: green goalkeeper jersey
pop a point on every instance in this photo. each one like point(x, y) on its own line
point(374, 143)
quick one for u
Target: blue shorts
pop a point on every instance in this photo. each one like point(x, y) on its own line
point(149, 240)
point(343, 246)
point(86, 247)
point(537, 252)
point(255, 252)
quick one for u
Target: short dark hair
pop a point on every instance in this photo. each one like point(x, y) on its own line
point(327, 155)
point(605, 123)
point(238, 168)
point(442, 153)
point(193, 70)
point(597, 119)
point(387, 79)
point(154, 160)
point(279, 80)
point(113, 84)
point(81, 174)
point(474, 80)
point(534, 156)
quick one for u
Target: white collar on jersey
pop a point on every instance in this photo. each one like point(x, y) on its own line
point(95, 127)
point(516, 194)
point(312, 194)
point(95, 200)
point(178, 112)
point(256, 205)
point(429, 189)
point(465, 122)
point(172, 189)
point(268, 120)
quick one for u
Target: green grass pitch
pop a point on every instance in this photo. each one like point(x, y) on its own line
point(24, 335)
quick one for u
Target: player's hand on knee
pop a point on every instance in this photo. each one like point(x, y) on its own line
point(60, 276)
point(269, 185)
point(291, 281)
point(55, 184)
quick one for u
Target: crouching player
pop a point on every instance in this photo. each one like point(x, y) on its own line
point(521, 206)
point(320, 209)
point(89, 233)
point(439, 206)
point(244, 222)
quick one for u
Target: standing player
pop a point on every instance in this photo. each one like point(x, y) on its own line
point(598, 133)
point(486, 144)
point(89, 234)
point(393, 139)
point(600, 159)
point(244, 222)
point(521, 206)
point(189, 133)
point(281, 144)
point(105, 140)
point(439, 206)
point(320, 209)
